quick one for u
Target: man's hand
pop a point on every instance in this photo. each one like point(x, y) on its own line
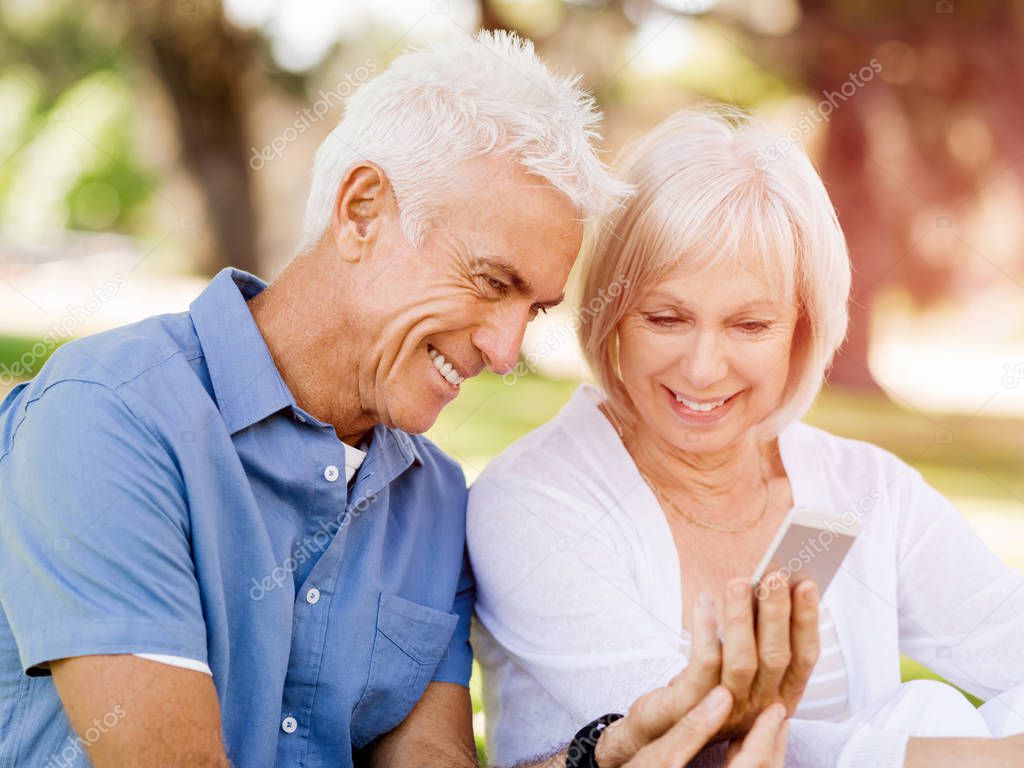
point(763, 747)
point(132, 711)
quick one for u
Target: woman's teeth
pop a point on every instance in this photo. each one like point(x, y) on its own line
point(445, 368)
point(702, 407)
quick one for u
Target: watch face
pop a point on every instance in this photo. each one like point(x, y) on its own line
point(580, 753)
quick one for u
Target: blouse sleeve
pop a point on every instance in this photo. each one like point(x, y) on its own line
point(961, 608)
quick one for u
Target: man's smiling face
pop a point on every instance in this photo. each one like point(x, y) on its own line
point(441, 312)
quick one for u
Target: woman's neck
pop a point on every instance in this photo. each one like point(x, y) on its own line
point(699, 475)
point(716, 481)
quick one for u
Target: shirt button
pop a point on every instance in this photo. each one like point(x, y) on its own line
point(331, 473)
point(313, 596)
point(300, 418)
point(289, 724)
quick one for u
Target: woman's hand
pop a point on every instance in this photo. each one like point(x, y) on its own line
point(764, 659)
point(726, 691)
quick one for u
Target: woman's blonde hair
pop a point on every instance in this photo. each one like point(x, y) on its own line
point(712, 184)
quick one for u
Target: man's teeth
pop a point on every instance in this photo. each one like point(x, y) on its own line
point(445, 368)
point(702, 407)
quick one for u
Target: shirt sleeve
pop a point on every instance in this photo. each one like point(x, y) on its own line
point(557, 591)
point(94, 534)
point(457, 665)
point(961, 608)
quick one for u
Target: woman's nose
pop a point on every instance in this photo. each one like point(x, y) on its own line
point(706, 362)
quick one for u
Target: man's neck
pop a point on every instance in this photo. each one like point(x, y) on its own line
point(300, 316)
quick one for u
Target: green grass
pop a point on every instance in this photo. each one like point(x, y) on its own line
point(16, 350)
point(960, 454)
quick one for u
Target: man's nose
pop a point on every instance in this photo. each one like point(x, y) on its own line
point(500, 342)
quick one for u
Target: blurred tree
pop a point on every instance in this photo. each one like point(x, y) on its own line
point(906, 152)
point(203, 61)
point(906, 155)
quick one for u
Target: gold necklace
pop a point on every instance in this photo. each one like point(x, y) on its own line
point(714, 526)
point(685, 515)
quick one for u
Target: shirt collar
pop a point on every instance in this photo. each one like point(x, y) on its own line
point(246, 383)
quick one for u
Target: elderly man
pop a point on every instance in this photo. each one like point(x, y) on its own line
point(222, 539)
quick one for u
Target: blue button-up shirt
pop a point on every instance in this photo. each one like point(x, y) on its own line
point(161, 492)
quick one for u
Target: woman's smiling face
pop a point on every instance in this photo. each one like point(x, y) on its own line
point(705, 355)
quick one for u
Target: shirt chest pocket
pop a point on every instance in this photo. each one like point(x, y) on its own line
point(410, 641)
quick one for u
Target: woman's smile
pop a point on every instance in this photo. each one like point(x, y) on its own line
point(700, 411)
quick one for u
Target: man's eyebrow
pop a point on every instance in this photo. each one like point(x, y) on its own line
point(520, 283)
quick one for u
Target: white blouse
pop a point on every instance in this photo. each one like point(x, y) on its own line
point(578, 589)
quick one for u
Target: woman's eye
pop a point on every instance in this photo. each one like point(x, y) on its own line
point(662, 321)
point(754, 326)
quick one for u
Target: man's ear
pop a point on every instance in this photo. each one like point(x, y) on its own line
point(364, 200)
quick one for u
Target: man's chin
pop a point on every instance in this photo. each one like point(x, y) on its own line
point(419, 422)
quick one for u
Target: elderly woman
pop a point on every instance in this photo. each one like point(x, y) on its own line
point(711, 308)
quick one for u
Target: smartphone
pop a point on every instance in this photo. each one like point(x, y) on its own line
point(810, 544)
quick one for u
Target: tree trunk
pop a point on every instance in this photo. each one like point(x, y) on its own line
point(202, 60)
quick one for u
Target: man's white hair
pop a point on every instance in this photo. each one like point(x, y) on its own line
point(436, 108)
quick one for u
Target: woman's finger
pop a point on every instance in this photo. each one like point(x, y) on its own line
point(704, 667)
point(765, 745)
point(688, 736)
point(773, 636)
point(739, 652)
point(805, 644)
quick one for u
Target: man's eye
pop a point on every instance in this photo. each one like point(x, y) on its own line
point(496, 284)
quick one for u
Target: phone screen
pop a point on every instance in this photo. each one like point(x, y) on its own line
point(809, 545)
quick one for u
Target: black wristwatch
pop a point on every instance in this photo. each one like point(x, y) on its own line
point(580, 753)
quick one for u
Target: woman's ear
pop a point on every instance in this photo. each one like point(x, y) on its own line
point(363, 205)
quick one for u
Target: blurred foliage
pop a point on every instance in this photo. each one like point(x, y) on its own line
point(68, 139)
